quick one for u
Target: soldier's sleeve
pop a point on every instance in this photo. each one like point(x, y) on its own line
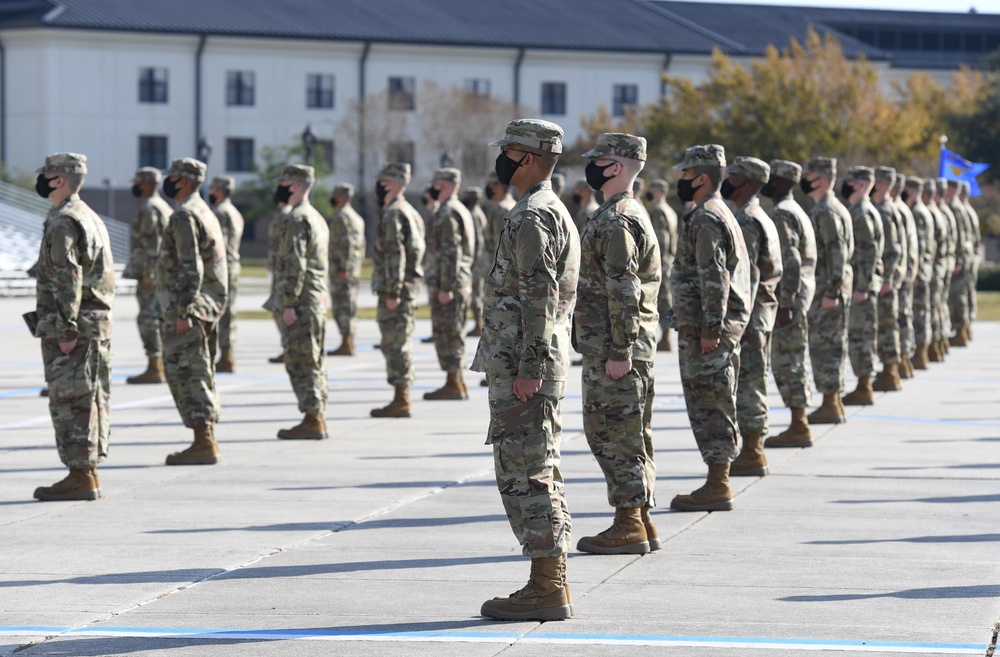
point(134, 266)
point(339, 246)
point(713, 277)
point(892, 252)
point(357, 248)
point(295, 247)
point(865, 254)
point(450, 240)
point(67, 278)
point(395, 256)
point(837, 253)
point(791, 261)
point(621, 279)
point(538, 287)
point(191, 270)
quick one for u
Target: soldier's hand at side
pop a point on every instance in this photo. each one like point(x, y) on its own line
point(886, 289)
point(342, 276)
point(829, 303)
point(67, 347)
point(616, 369)
point(784, 317)
point(183, 325)
point(445, 297)
point(392, 303)
point(708, 345)
point(289, 316)
point(525, 389)
point(859, 297)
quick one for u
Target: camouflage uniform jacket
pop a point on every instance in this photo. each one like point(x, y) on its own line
point(963, 248)
point(798, 255)
point(977, 231)
point(764, 251)
point(943, 256)
point(495, 213)
point(274, 233)
point(584, 214)
point(191, 277)
point(909, 225)
point(76, 276)
point(347, 242)
point(953, 235)
point(231, 222)
point(711, 274)
point(479, 223)
point(531, 291)
point(399, 249)
point(834, 247)
point(927, 246)
point(450, 239)
point(664, 221)
point(620, 274)
point(147, 233)
point(868, 244)
point(303, 264)
point(893, 243)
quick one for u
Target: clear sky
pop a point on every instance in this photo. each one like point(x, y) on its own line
point(982, 6)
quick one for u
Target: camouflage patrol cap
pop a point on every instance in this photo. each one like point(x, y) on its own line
point(786, 169)
point(346, 189)
point(900, 180)
point(148, 174)
point(710, 155)
point(930, 186)
point(914, 182)
point(396, 171)
point(866, 174)
point(448, 174)
point(953, 184)
point(885, 174)
point(537, 135)
point(964, 187)
point(659, 184)
point(751, 167)
point(224, 183)
point(300, 173)
point(476, 192)
point(942, 185)
point(64, 163)
point(825, 165)
point(188, 167)
point(618, 144)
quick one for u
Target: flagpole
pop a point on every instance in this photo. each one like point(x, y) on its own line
point(942, 140)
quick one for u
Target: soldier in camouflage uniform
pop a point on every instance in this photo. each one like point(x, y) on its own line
point(664, 221)
point(431, 205)
point(396, 276)
point(471, 198)
point(893, 275)
point(926, 253)
point(220, 194)
point(585, 200)
point(302, 274)
point(907, 344)
point(614, 327)
point(524, 351)
point(943, 262)
point(74, 295)
point(712, 304)
point(192, 287)
point(958, 294)
point(795, 293)
point(347, 251)
point(498, 203)
point(147, 233)
point(558, 184)
point(954, 259)
point(274, 236)
point(834, 281)
point(451, 239)
point(977, 240)
point(744, 179)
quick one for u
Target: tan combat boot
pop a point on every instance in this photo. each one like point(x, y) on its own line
point(79, 484)
point(905, 367)
point(934, 354)
point(277, 360)
point(959, 339)
point(798, 433)
point(968, 333)
point(626, 535)
point(312, 427)
point(831, 412)
point(346, 347)
point(945, 346)
point(153, 374)
point(715, 495)
point(398, 407)
point(888, 379)
point(476, 330)
point(545, 597)
point(863, 395)
point(751, 461)
point(651, 534)
point(227, 363)
point(920, 357)
point(454, 388)
point(664, 343)
point(203, 451)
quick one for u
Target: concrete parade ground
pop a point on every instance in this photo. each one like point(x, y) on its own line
point(882, 539)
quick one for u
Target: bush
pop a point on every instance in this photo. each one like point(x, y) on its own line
point(989, 277)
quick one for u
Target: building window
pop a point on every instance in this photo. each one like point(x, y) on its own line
point(153, 151)
point(974, 42)
point(626, 95)
point(887, 39)
point(909, 41)
point(554, 98)
point(400, 151)
point(152, 85)
point(952, 41)
point(326, 146)
point(931, 41)
point(239, 155)
point(402, 94)
point(477, 87)
point(992, 42)
point(240, 88)
point(868, 36)
point(319, 91)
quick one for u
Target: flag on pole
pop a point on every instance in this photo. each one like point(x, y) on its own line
point(956, 167)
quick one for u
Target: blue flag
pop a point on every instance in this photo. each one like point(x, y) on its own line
point(956, 167)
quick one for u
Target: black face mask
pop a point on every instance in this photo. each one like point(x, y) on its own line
point(648, 196)
point(42, 186)
point(806, 185)
point(213, 199)
point(434, 193)
point(577, 199)
point(274, 197)
point(846, 190)
point(905, 196)
point(727, 189)
point(595, 175)
point(767, 191)
point(136, 191)
point(170, 187)
point(283, 193)
point(505, 167)
point(426, 201)
point(380, 193)
point(686, 189)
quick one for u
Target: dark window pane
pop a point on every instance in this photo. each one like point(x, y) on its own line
point(868, 36)
point(319, 91)
point(240, 88)
point(153, 151)
point(401, 94)
point(625, 96)
point(909, 41)
point(239, 155)
point(152, 85)
point(932, 41)
point(554, 98)
point(974, 42)
point(992, 42)
point(952, 41)
point(887, 39)
point(400, 151)
point(477, 87)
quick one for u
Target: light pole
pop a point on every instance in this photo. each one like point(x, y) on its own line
point(109, 184)
point(309, 141)
point(205, 154)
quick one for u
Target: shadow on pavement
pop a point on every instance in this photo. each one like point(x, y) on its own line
point(966, 538)
point(935, 593)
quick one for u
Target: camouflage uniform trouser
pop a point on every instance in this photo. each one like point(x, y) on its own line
point(922, 312)
point(906, 340)
point(788, 362)
point(936, 313)
point(862, 336)
point(149, 322)
point(344, 302)
point(618, 421)
point(887, 331)
point(958, 300)
point(79, 389)
point(526, 440)
point(665, 299)
point(828, 345)
point(396, 327)
point(751, 385)
point(227, 324)
point(476, 297)
point(304, 359)
point(974, 280)
point(448, 326)
point(189, 363)
point(949, 281)
point(709, 382)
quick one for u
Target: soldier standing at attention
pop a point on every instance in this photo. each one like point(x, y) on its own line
point(831, 304)
point(347, 251)
point(976, 235)
point(614, 327)
point(191, 285)
point(954, 261)
point(147, 233)
point(795, 294)
point(583, 196)
point(396, 277)
point(274, 236)
point(712, 304)
point(451, 238)
point(481, 261)
point(664, 221)
point(958, 294)
point(745, 177)
point(893, 275)
point(431, 204)
point(231, 221)
point(524, 351)
point(907, 344)
point(927, 249)
point(498, 204)
point(558, 184)
point(302, 272)
point(938, 307)
point(74, 295)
